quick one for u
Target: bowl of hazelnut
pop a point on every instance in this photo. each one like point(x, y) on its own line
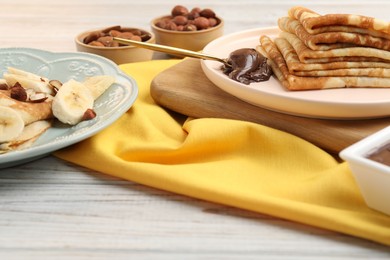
point(100, 42)
point(187, 29)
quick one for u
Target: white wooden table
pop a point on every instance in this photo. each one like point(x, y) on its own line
point(50, 209)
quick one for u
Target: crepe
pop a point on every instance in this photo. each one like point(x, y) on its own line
point(298, 68)
point(331, 40)
point(356, 54)
point(315, 23)
point(293, 82)
point(29, 111)
point(29, 135)
point(36, 119)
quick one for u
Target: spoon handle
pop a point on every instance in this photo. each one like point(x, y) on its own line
point(169, 49)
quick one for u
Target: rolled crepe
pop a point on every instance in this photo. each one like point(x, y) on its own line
point(28, 136)
point(29, 111)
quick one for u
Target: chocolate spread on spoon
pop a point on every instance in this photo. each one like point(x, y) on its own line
point(247, 66)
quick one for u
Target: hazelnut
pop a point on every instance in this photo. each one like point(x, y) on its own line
point(18, 92)
point(161, 23)
point(3, 86)
point(196, 9)
point(208, 13)
point(179, 10)
point(38, 97)
point(194, 13)
point(180, 20)
point(88, 115)
point(201, 23)
point(170, 26)
point(213, 22)
point(56, 85)
point(189, 27)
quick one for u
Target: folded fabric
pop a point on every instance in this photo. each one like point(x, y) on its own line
point(231, 162)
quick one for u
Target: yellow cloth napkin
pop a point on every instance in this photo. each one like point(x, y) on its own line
point(241, 164)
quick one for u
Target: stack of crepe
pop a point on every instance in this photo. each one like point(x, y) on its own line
point(316, 51)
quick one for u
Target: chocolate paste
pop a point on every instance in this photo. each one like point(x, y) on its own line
point(247, 66)
point(381, 155)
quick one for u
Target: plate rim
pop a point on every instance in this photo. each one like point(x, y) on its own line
point(130, 87)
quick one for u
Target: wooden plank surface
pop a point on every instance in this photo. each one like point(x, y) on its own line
point(51, 209)
point(185, 89)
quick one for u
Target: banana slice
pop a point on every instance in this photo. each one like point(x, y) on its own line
point(25, 82)
point(98, 84)
point(71, 102)
point(11, 124)
point(26, 74)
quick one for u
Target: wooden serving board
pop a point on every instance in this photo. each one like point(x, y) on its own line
point(185, 89)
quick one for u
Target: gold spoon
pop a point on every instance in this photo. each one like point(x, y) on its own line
point(171, 50)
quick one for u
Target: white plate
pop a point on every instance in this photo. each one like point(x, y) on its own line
point(343, 103)
point(64, 66)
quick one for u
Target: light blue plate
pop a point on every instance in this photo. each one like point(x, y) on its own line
point(64, 66)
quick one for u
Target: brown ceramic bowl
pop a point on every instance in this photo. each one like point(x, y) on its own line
point(189, 40)
point(121, 54)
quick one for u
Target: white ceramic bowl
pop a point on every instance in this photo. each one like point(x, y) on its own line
point(373, 178)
